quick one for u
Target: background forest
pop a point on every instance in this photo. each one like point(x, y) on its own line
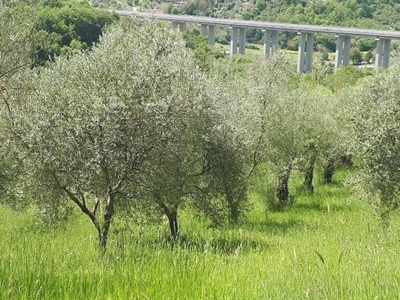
point(360, 14)
point(138, 163)
point(363, 14)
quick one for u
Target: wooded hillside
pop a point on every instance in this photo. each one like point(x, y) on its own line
point(358, 13)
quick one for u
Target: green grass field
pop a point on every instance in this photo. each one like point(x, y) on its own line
point(326, 246)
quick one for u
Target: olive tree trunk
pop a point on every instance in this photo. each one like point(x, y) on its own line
point(172, 215)
point(107, 218)
point(310, 159)
point(308, 178)
point(329, 170)
point(173, 223)
point(282, 190)
point(102, 226)
point(234, 211)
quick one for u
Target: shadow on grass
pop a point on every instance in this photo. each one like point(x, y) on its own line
point(217, 245)
point(245, 239)
point(271, 227)
point(322, 207)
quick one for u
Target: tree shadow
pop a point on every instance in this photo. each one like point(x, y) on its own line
point(272, 227)
point(322, 207)
point(237, 244)
point(217, 245)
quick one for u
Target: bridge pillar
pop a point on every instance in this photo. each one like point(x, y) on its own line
point(211, 35)
point(300, 52)
point(309, 52)
point(305, 49)
point(182, 26)
point(346, 50)
point(270, 41)
point(342, 55)
point(267, 42)
point(339, 51)
point(203, 29)
point(242, 40)
point(382, 53)
point(174, 25)
point(234, 32)
point(386, 53)
point(275, 40)
point(378, 53)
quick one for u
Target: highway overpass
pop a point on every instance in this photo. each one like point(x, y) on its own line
point(271, 33)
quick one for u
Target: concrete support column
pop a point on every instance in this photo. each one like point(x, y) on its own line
point(174, 25)
point(378, 53)
point(182, 26)
point(346, 50)
point(339, 51)
point(203, 29)
point(382, 53)
point(234, 33)
point(211, 35)
point(305, 50)
point(386, 53)
point(343, 45)
point(300, 54)
point(242, 40)
point(267, 42)
point(275, 40)
point(309, 52)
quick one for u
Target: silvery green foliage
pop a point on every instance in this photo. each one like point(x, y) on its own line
point(97, 122)
point(16, 55)
point(184, 124)
point(375, 136)
point(299, 121)
point(16, 40)
point(242, 98)
point(246, 96)
point(274, 118)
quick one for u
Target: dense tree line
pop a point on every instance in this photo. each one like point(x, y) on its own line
point(369, 14)
point(362, 14)
point(55, 28)
point(68, 27)
point(147, 123)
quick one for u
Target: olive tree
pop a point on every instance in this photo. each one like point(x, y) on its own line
point(374, 134)
point(17, 54)
point(176, 165)
point(17, 38)
point(298, 126)
point(335, 151)
point(321, 137)
point(94, 120)
point(224, 189)
point(247, 92)
point(201, 162)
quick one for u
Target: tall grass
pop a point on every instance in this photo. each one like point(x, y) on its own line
point(326, 246)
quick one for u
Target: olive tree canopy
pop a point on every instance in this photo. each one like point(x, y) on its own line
point(375, 136)
point(93, 122)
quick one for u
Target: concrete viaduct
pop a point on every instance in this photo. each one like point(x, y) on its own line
point(271, 31)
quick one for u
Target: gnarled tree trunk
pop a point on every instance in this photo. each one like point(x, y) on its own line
point(282, 191)
point(329, 170)
point(234, 211)
point(173, 223)
point(102, 228)
point(107, 217)
point(172, 215)
point(308, 178)
point(310, 156)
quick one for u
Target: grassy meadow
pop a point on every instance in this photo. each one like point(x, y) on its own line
point(327, 245)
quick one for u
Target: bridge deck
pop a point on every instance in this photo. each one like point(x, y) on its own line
point(266, 25)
